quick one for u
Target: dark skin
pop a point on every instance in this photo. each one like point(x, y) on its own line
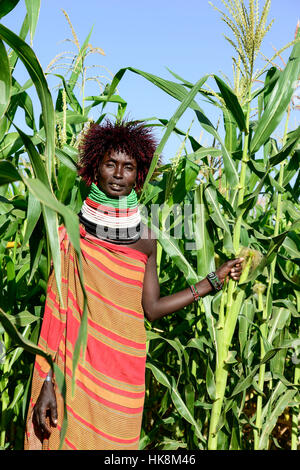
point(116, 177)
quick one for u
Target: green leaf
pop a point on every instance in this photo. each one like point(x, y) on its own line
point(203, 239)
point(18, 392)
point(178, 92)
point(183, 409)
point(171, 125)
point(218, 218)
point(19, 339)
point(158, 374)
point(6, 6)
point(66, 157)
point(230, 130)
point(106, 98)
point(23, 318)
point(170, 245)
point(33, 214)
point(36, 73)
point(77, 68)
point(282, 403)
point(10, 144)
point(72, 117)
point(232, 103)
point(71, 98)
point(33, 10)
point(5, 80)
point(279, 100)
point(210, 383)
point(8, 173)
point(35, 158)
point(280, 317)
point(287, 149)
point(13, 57)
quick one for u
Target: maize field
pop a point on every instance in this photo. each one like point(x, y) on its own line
point(223, 373)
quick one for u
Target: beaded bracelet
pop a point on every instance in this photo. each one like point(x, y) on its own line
point(195, 292)
point(214, 281)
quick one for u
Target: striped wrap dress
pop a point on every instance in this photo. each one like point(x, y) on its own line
point(105, 412)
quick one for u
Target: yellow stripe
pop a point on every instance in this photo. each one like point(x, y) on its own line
point(103, 393)
point(116, 268)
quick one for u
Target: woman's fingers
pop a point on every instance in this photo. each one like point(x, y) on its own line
point(236, 270)
point(41, 421)
point(43, 424)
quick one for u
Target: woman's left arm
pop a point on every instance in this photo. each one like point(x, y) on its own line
point(156, 307)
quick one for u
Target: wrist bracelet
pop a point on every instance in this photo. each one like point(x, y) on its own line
point(214, 281)
point(195, 292)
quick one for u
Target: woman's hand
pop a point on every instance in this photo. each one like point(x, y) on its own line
point(231, 269)
point(45, 402)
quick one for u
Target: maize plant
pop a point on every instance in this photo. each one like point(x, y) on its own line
point(223, 373)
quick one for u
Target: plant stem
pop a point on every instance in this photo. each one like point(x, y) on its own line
point(295, 411)
point(261, 376)
point(266, 312)
point(245, 159)
point(225, 334)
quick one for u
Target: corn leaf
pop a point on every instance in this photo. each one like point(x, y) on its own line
point(232, 104)
point(33, 10)
point(283, 402)
point(33, 214)
point(36, 73)
point(7, 6)
point(8, 173)
point(5, 80)
point(278, 100)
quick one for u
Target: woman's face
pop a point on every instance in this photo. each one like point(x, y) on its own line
point(117, 174)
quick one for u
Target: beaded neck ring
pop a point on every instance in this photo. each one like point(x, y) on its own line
point(114, 220)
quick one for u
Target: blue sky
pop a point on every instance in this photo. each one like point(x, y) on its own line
point(183, 35)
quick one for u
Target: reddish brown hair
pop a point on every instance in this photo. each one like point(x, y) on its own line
point(132, 138)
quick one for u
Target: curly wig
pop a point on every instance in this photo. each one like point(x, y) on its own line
point(132, 138)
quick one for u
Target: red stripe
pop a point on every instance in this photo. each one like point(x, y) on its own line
point(52, 296)
point(89, 425)
point(109, 404)
point(115, 260)
point(70, 444)
point(111, 273)
point(115, 337)
point(66, 440)
point(111, 388)
point(131, 252)
point(119, 211)
point(99, 382)
point(41, 373)
point(108, 302)
point(50, 325)
point(110, 362)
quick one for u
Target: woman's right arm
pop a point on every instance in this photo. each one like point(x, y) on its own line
point(46, 401)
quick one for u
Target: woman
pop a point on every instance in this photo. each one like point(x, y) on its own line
point(120, 275)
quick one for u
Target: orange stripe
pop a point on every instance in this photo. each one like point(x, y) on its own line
point(110, 437)
point(115, 260)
